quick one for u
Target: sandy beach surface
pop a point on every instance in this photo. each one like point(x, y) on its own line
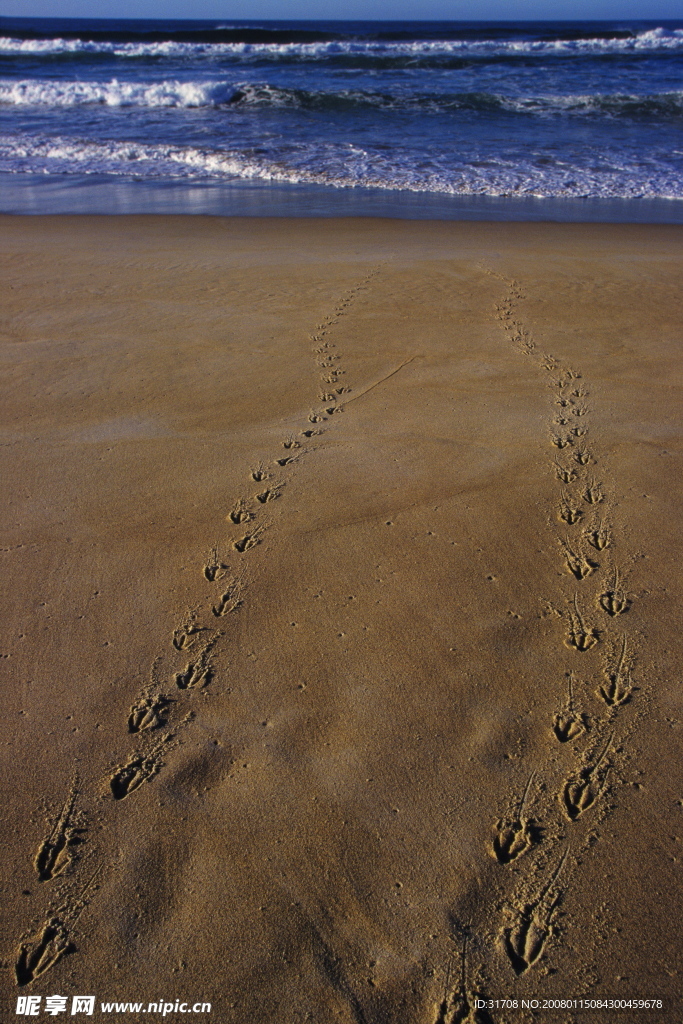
point(341, 643)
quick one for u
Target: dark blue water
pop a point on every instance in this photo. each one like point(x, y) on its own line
point(565, 110)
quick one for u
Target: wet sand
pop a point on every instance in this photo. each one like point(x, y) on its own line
point(341, 616)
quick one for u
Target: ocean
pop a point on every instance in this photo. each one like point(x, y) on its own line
point(571, 120)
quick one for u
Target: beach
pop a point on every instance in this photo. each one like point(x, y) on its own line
point(341, 644)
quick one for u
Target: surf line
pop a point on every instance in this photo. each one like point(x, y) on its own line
point(378, 382)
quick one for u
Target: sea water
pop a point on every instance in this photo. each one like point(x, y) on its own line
point(400, 118)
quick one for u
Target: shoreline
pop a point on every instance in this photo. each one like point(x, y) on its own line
point(102, 195)
point(342, 566)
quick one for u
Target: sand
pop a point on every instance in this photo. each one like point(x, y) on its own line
point(341, 617)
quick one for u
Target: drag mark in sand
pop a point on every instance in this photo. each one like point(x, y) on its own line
point(376, 384)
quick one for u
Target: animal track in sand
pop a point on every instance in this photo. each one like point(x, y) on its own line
point(311, 433)
point(291, 442)
point(140, 768)
point(55, 853)
point(583, 456)
point(568, 511)
point(558, 383)
point(618, 687)
point(583, 790)
point(580, 410)
point(599, 537)
point(593, 493)
point(567, 723)
point(289, 459)
point(147, 712)
point(515, 834)
point(577, 564)
point(215, 569)
point(270, 494)
point(37, 956)
point(260, 473)
point(561, 442)
point(614, 601)
point(579, 636)
point(185, 635)
point(526, 938)
point(229, 600)
point(197, 673)
point(40, 953)
point(565, 473)
point(241, 513)
point(250, 540)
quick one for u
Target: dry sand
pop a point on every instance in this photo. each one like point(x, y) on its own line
point(309, 528)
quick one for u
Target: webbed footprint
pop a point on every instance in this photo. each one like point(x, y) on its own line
point(581, 791)
point(526, 938)
point(55, 853)
point(515, 834)
point(568, 723)
point(580, 636)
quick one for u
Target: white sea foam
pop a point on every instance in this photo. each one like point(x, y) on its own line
point(653, 40)
point(622, 175)
point(47, 93)
point(187, 95)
